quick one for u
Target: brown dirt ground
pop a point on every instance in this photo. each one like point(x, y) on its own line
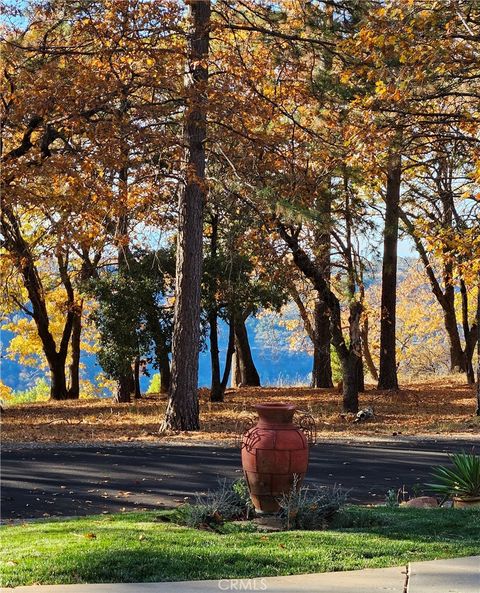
point(443, 407)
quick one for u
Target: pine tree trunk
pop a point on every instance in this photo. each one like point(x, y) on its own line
point(125, 388)
point(74, 367)
point(183, 406)
point(322, 365)
point(388, 362)
point(248, 372)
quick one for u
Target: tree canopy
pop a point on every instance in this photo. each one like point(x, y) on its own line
point(278, 150)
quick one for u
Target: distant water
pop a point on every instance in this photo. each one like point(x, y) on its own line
point(279, 367)
point(274, 368)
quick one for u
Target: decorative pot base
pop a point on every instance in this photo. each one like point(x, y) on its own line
point(466, 503)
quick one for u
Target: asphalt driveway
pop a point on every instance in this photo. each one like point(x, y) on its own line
point(58, 480)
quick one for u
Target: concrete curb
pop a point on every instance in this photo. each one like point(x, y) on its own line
point(461, 575)
point(380, 580)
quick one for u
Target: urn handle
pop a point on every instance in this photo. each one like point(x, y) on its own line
point(306, 422)
point(241, 428)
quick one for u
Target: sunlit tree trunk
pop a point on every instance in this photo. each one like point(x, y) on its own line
point(322, 364)
point(183, 407)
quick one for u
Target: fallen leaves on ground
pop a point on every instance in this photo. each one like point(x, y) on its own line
point(434, 407)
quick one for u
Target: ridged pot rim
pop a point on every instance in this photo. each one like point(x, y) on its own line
point(275, 406)
point(275, 414)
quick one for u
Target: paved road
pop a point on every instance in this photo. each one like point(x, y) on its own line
point(66, 480)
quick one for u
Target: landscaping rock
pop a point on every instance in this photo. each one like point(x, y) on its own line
point(421, 502)
point(364, 414)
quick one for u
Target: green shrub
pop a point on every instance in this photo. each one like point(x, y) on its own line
point(216, 506)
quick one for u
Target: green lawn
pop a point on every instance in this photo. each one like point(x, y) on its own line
point(139, 547)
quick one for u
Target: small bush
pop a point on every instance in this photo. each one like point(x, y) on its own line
point(308, 507)
point(196, 515)
point(391, 499)
point(240, 489)
point(228, 502)
point(155, 384)
point(38, 393)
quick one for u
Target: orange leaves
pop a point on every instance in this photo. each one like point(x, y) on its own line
point(90, 536)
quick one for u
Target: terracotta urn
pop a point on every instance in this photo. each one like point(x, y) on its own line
point(274, 451)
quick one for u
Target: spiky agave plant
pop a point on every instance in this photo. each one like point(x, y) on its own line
point(461, 480)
